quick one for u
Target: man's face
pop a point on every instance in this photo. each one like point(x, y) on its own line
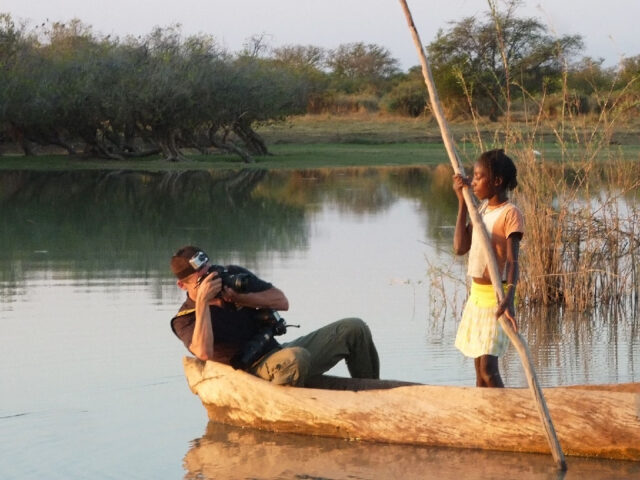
point(191, 282)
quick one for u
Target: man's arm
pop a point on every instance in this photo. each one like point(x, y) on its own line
point(272, 298)
point(202, 340)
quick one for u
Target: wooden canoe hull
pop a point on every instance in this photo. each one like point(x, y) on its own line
point(594, 422)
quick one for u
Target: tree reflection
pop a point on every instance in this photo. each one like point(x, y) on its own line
point(103, 218)
point(133, 221)
point(86, 224)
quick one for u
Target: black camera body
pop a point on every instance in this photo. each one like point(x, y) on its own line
point(236, 281)
point(257, 346)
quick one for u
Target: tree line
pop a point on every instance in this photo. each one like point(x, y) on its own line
point(64, 85)
point(139, 96)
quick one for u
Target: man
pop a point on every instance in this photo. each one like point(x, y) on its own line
point(225, 323)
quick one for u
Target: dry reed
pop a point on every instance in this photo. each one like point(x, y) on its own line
point(581, 248)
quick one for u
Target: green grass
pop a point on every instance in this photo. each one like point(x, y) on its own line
point(284, 157)
point(324, 141)
point(290, 156)
point(353, 155)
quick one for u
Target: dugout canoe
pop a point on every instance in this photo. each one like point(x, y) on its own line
point(592, 421)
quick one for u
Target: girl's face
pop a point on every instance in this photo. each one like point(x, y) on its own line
point(482, 184)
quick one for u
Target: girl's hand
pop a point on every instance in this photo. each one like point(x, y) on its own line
point(507, 309)
point(459, 182)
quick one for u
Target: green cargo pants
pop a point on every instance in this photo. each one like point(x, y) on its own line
point(315, 353)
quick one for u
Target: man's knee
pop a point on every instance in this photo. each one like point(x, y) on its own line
point(297, 356)
point(289, 366)
point(353, 324)
point(356, 329)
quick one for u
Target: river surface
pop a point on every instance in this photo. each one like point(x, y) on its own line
point(91, 375)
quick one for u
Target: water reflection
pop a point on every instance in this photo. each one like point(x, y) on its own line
point(235, 453)
point(106, 216)
point(87, 221)
point(124, 225)
point(575, 348)
point(374, 243)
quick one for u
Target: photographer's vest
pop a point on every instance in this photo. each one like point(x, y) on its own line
point(232, 328)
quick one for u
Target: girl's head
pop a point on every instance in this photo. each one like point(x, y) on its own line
point(494, 174)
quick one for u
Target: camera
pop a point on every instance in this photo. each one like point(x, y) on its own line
point(238, 281)
point(260, 343)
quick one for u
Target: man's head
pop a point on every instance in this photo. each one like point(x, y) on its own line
point(187, 261)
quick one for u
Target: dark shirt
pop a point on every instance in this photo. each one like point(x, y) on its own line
point(232, 326)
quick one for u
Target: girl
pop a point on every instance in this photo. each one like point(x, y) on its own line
point(480, 335)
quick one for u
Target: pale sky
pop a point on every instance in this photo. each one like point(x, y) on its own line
point(607, 26)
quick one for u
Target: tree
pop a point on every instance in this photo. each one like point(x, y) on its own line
point(491, 60)
point(17, 48)
point(12, 38)
point(409, 96)
point(301, 57)
point(588, 85)
point(82, 86)
point(356, 67)
point(258, 90)
point(630, 72)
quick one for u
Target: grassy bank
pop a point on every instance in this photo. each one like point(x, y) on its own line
point(292, 156)
point(324, 141)
point(288, 156)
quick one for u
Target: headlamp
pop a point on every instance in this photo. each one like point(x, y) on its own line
point(198, 260)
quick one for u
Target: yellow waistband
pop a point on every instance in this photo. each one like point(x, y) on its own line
point(485, 295)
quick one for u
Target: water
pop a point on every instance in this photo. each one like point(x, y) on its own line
point(91, 379)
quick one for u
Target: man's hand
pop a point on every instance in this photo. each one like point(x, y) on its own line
point(229, 295)
point(209, 288)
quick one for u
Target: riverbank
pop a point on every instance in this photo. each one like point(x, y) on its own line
point(290, 156)
point(325, 141)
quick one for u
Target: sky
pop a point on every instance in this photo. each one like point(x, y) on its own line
point(607, 26)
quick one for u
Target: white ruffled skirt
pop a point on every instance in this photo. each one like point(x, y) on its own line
point(479, 332)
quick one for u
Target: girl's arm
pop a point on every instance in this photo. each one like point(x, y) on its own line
point(462, 233)
point(507, 307)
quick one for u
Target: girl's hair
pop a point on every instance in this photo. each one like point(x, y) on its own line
point(500, 166)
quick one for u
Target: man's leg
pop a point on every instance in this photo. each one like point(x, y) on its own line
point(348, 339)
point(288, 366)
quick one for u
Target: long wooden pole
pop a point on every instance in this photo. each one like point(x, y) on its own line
point(479, 228)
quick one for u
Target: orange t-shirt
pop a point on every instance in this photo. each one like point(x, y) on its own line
point(500, 221)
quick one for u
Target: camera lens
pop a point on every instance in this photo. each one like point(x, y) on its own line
point(239, 282)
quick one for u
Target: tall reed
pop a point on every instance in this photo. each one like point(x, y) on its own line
point(581, 248)
point(582, 243)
